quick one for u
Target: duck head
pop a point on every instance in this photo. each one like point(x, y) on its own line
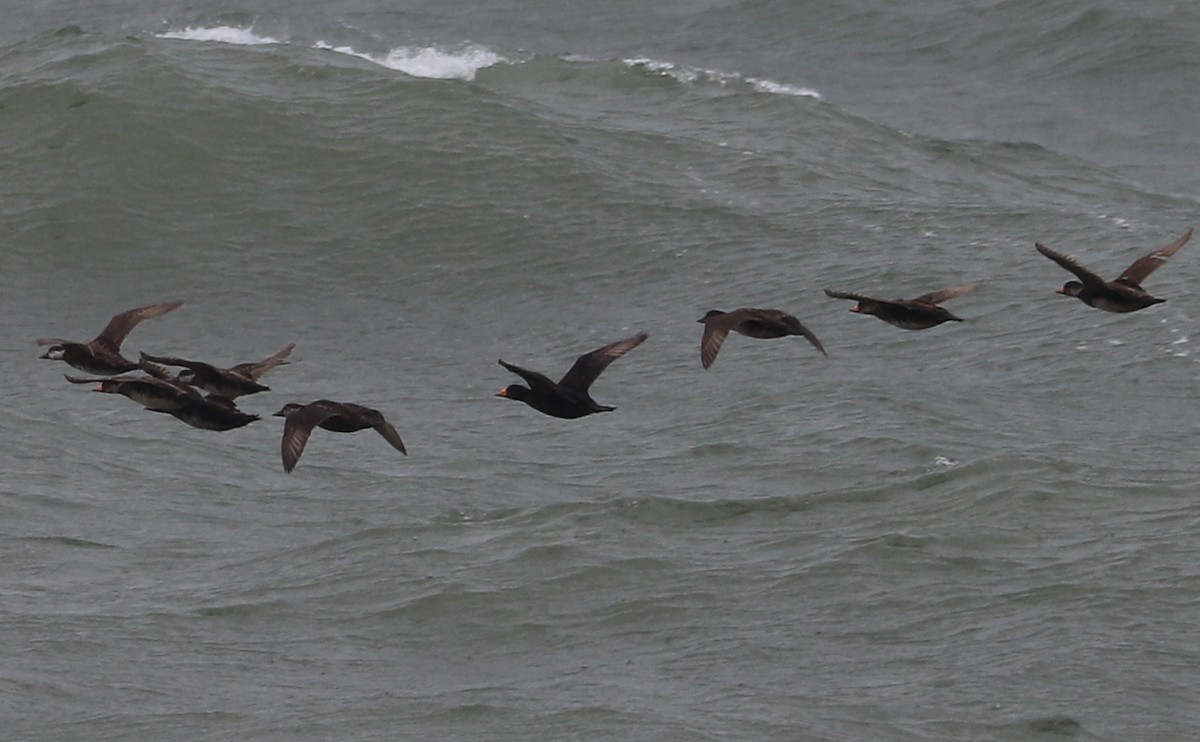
point(1070, 288)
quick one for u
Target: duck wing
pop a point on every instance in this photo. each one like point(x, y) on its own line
point(589, 366)
point(855, 297)
point(937, 297)
point(99, 379)
point(869, 303)
point(1145, 265)
point(120, 326)
point(1085, 276)
point(534, 379)
point(717, 326)
point(810, 337)
point(255, 371)
point(846, 295)
point(299, 426)
point(384, 428)
point(200, 366)
point(716, 330)
point(796, 327)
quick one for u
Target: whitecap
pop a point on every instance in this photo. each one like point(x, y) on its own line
point(221, 34)
point(690, 75)
point(778, 88)
point(666, 69)
point(430, 62)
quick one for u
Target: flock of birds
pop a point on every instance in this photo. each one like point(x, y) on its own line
point(203, 395)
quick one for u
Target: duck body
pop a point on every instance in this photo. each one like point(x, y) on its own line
point(153, 394)
point(99, 360)
point(212, 413)
point(1113, 297)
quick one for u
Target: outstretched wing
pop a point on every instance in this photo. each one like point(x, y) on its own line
point(1089, 279)
point(712, 340)
point(1145, 265)
point(390, 435)
point(589, 365)
point(119, 326)
point(532, 378)
point(159, 372)
point(867, 302)
point(256, 371)
point(847, 295)
point(299, 426)
point(937, 297)
point(809, 336)
point(181, 362)
point(97, 379)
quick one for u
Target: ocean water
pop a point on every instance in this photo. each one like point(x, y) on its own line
point(987, 530)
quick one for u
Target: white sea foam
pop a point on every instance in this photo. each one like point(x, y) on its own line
point(777, 88)
point(222, 34)
point(431, 62)
point(689, 75)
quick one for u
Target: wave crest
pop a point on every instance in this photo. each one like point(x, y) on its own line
point(429, 62)
point(221, 34)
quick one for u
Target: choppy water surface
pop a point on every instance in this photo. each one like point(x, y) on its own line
point(985, 530)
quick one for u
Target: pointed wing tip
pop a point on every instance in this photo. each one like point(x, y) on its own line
point(154, 310)
point(1054, 255)
point(633, 341)
point(391, 435)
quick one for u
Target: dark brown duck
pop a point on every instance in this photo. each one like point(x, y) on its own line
point(569, 398)
point(102, 356)
point(1125, 294)
point(920, 313)
point(755, 323)
point(229, 383)
point(339, 417)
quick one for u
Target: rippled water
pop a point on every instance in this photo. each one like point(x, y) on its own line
point(980, 531)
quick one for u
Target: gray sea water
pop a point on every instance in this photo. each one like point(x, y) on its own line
point(984, 531)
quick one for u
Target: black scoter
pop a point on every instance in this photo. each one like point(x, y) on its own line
point(569, 397)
